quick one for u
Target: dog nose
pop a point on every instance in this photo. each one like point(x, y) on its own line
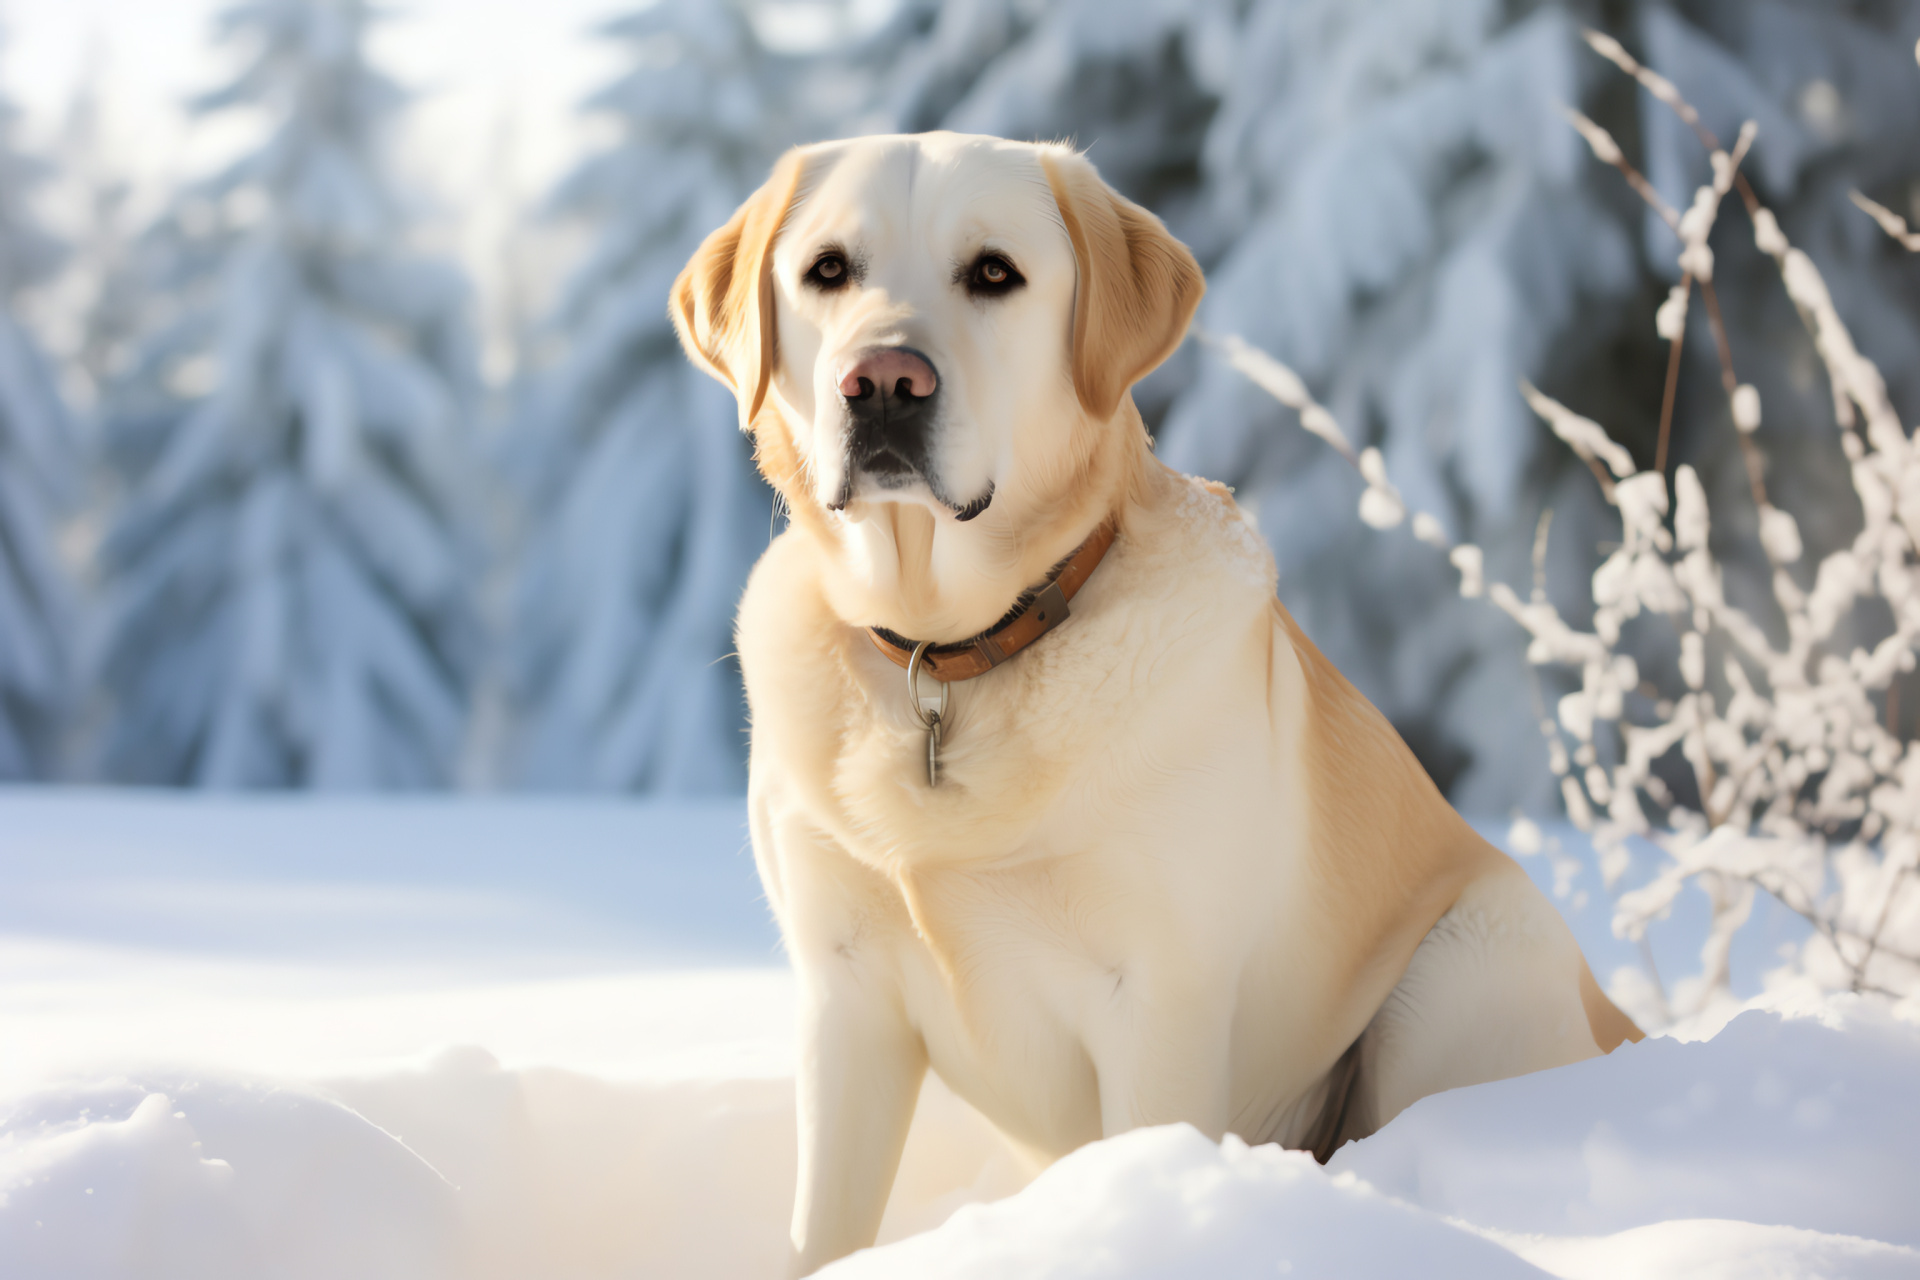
point(893, 371)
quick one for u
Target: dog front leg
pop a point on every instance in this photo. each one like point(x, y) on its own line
point(1162, 1053)
point(860, 1070)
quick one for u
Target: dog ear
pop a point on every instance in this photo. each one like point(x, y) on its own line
point(1138, 286)
point(723, 299)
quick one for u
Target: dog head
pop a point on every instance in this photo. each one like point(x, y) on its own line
point(932, 340)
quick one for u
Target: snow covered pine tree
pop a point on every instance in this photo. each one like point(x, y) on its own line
point(286, 587)
point(39, 474)
point(648, 510)
point(102, 296)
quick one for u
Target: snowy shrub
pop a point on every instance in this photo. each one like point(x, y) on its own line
point(39, 473)
point(286, 583)
point(1390, 202)
point(1766, 754)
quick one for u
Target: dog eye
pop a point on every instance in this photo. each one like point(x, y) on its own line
point(830, 272)
point(993, 274)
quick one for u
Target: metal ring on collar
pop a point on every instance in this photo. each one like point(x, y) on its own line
point(927, 719)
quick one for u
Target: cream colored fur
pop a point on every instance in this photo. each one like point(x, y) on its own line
point(1176, 867)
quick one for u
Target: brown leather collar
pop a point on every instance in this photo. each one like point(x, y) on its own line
point(1036, 613)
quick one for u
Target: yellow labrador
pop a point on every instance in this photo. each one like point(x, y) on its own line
point(1131, 851)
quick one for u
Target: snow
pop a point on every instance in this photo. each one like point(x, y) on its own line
point(1169, 1202)
point(1798, 1112)
point(287, 937)
point(309, 982)
point(460, 1169)
point(1780, 1145)
point(495, 1037)
point(1706, 1249)
point(139, 1191)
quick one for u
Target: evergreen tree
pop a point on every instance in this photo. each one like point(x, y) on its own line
point(286, 584)
point(104, 302)
point(39, 470)
point(908, 73)
point(649, 512)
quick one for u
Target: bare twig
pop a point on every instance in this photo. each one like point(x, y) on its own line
point(1540, 532)
point(1890, 222)
point(1879, 927)
point(1606, 149)
point(1584, 436)
point(1668, 396)
point(1711, 297)
point(1284, 385)
point(1652, 81)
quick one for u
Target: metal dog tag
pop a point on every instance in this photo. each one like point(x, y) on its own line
point(932, 720)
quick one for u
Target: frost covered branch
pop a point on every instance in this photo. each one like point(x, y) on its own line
point(1756, 766)
point(1284, 385)
point(1797, 786)
point(1606, 150)
point(1890, 222)
point(1381, 505)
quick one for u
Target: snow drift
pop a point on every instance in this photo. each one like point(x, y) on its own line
point(1775, 1148)
point(1779, 1146)
point(223, 1054)
point(460, 1170)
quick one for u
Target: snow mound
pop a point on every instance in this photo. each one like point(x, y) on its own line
point(1711, 1249)
point(1168, 1202)
point(224, 1032)
point(459, 1170)
point(1781, 1146)
point(1808, 1121)
point(216, 1181)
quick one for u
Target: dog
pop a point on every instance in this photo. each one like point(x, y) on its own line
point(1118, 847)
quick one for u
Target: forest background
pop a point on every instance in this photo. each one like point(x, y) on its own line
point(344, 442)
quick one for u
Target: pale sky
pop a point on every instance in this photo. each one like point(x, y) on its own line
point(470, 61)
point(493, 125)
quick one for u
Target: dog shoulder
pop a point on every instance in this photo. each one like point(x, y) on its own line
point(1191, 538)
point(1388, 851)
point(784, 620)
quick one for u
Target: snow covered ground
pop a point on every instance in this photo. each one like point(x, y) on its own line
point(539, 1038)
